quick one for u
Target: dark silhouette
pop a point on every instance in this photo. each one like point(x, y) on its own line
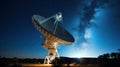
point(108, 60)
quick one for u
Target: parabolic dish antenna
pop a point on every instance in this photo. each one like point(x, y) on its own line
point(53, 34)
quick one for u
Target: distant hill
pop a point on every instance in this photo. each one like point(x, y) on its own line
point(66, 60)
point(93, 62)
point(61, 60)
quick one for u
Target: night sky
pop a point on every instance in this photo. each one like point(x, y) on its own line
point(95, 25)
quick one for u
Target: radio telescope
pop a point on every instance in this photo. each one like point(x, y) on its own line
point(53, 34)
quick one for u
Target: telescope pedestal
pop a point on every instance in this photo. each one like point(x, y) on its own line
point(51, 46)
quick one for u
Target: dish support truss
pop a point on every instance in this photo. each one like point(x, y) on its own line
point(50, 41)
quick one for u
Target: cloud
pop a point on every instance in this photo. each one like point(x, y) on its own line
point(87, 34)
point(87, 15)
point(84, 45)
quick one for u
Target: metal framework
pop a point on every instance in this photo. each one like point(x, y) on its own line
point(50, 42)
point(51, 39)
